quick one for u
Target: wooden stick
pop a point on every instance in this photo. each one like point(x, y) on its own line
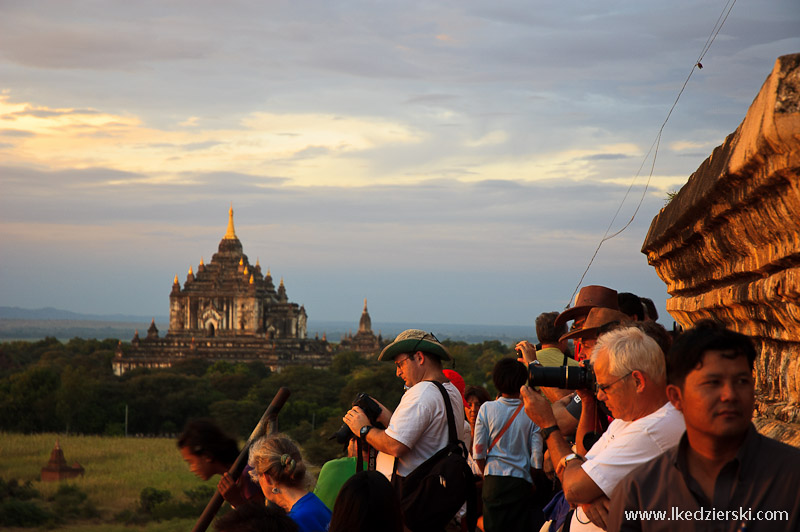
point(268, 424)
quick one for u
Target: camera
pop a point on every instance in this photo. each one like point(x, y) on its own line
point(370, 408)
point(566, 377)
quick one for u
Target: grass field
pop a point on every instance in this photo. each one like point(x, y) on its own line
point(117, 469)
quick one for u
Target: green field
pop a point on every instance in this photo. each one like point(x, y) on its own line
point(117, 469)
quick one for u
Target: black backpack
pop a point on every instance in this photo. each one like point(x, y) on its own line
point(432, 494)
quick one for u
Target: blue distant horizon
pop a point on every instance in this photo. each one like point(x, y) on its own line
point(333, 329)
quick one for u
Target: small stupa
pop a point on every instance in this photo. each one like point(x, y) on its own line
point(57, 468)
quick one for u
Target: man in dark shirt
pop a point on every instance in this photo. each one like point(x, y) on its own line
point(723, 475)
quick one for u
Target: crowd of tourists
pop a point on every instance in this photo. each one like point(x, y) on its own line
point(631, 427)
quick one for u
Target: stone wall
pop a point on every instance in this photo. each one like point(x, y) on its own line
point(728, 245)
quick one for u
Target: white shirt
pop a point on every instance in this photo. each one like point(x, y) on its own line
point(420, 423)
point(625, 446)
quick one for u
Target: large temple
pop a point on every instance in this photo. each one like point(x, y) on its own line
point(228, 310)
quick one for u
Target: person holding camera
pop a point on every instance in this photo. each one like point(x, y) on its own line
point(630, 377)
point(508, 449)
point(418, 428)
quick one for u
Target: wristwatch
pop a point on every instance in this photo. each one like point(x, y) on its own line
point(562, 464)
point(364, 430)
point(546, 432)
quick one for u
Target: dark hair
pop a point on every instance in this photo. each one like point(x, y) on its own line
point(546, 330)
point(366, 502)
point(687, 351)
point(630, 305)
point(251, 517)
point(204, 438)
point(651, 308)
point(509, 375)
point(478, 391)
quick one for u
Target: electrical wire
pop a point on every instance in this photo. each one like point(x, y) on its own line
point(654, 146)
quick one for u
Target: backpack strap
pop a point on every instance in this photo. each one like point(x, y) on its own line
point(451, 422)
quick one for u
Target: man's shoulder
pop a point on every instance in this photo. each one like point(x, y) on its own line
point(654, 469)
point(553, 357)
point(347, 462)
point(427, 393)
point(772, 450)
point(666, 417)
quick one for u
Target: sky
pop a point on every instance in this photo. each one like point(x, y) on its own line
point(451, 161)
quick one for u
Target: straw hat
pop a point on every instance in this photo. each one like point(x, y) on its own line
point(413, 340)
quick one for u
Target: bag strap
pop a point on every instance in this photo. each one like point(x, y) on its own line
point(451, 422)
point(505, 428)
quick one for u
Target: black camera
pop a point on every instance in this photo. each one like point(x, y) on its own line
point(566, 377)
point(370, 408)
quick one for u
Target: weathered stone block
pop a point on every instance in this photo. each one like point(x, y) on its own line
point(728, 244)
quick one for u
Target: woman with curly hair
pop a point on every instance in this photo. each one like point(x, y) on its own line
point(280, 471)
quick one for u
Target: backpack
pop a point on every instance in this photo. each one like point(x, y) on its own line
point(432, 494)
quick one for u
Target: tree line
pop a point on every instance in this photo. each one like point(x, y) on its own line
point(50, 386)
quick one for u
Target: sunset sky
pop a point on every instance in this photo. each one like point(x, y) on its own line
point(453, 162)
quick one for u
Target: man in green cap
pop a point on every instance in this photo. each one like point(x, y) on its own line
point(418, 427)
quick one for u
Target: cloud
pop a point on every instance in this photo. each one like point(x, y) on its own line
point(605, 157)
point(19, 133)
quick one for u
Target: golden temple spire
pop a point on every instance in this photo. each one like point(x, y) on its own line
point(190, 271)
point(246, 271)
point(241, 261)
point(176, 279)
point(281, 281)
point(252, 280)
point(201, 261)
point(365, 304)
point(268, 274)
point(230, 234)
point(257, 263)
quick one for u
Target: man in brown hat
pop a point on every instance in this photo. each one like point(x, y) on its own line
point(418, 427)
point(568, 410)
point(589, 297)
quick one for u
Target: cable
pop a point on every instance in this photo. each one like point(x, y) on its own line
point(654, 146)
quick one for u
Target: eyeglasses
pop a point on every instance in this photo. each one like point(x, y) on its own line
point(604, 387)
point(399, 363)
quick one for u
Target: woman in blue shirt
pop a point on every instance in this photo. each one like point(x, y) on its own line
point(279, 470)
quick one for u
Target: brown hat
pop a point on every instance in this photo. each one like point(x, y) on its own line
point(596, 318)
point(589, 297)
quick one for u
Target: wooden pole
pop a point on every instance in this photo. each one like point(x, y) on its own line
point(268, 424)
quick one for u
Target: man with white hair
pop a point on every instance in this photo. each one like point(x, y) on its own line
point(631, 380)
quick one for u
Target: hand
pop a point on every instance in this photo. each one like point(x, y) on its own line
point(537, 407)
point(230, 491)
point(385, 415)
point(586, 395)
point(528, 351)
point(355, 418)
point(597, 511)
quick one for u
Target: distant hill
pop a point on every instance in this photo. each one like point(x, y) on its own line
point(26, 324)
point(50, 313)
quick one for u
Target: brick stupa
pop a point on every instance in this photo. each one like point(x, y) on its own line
point(57, 468)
